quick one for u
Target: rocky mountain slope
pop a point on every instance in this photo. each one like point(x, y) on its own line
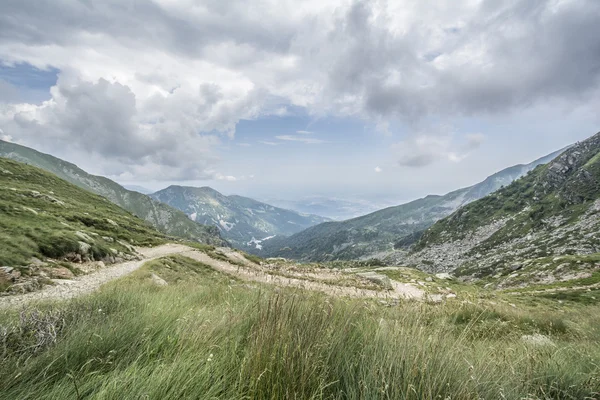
point(163, 217)
point(551, 214)
point(244, 222)
point(44, 217)
point(393, 227)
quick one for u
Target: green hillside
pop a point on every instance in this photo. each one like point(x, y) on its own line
point(551, 211)
point(164, 218)
point(42, 216)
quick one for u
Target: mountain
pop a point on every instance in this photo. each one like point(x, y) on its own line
point(551, 213)
point(380, 232)
point(244, 222)
point(334, 208)
point(163, 217)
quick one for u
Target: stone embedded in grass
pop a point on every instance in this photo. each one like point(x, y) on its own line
point(379, 279)
point(84, 236)
point(537, 340)
point(110, 221)
point(158, 280)
point(84, 248)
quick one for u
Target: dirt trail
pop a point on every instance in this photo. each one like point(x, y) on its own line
point(66, 289)
point(257, 274)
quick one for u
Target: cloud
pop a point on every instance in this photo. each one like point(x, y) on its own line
point(306, 140)
point(228, 178)
point(158, 138)
point(378, 169)
point(304, 132)
point(244, 144)
point(425, 149)
point(153, 87)
point(268, 143)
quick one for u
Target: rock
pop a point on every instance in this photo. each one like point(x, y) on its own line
point(487, 285)
point(451, 296)
point(36, 262)
point(31, 210)
point(84, 248)
point(108, 239)
point(158, 280)
point(537, 340)
point(110, 221)
point(6, 270)
point(516, 267)
point(84, 236)
point(73, 257)
point(379, 279)
point(513, 275)
point(15, 274)
point(59, 273)
point(429, 279)
point(443, 275)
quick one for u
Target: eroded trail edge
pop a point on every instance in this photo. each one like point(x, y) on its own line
point(67, 289)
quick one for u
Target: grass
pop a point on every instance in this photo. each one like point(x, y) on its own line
point(41, 214)
point(208, 336)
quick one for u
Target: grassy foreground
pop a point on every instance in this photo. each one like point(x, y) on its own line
point(205, 336)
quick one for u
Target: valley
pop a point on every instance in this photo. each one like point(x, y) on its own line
point(514, 275)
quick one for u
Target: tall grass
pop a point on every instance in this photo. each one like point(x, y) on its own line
point(206, 336)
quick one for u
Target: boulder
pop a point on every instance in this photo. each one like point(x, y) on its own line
point(157, 280)
point(516, 267)
point(84, 248)
point(537, 340)
point(379, 279)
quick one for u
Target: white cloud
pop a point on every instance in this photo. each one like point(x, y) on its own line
point(228, 178)
point(425, 149)
point(378, 169)
point(268, 143)
point(304, 132)
point(244, 144)
point(307, 140)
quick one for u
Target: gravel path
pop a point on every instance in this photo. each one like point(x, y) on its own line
point(258, 274)
point(67, 289)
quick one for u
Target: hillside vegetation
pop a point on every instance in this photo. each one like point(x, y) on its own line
point(163, 217)
point(43, 216)
point(552, 211)
point(244, 222)
point(385, 230)
point(204, 336)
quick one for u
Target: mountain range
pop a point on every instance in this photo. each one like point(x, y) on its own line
point(244, 222)
point(163, 217)
point(378, 233)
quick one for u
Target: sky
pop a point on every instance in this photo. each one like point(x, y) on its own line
point(384, 101)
